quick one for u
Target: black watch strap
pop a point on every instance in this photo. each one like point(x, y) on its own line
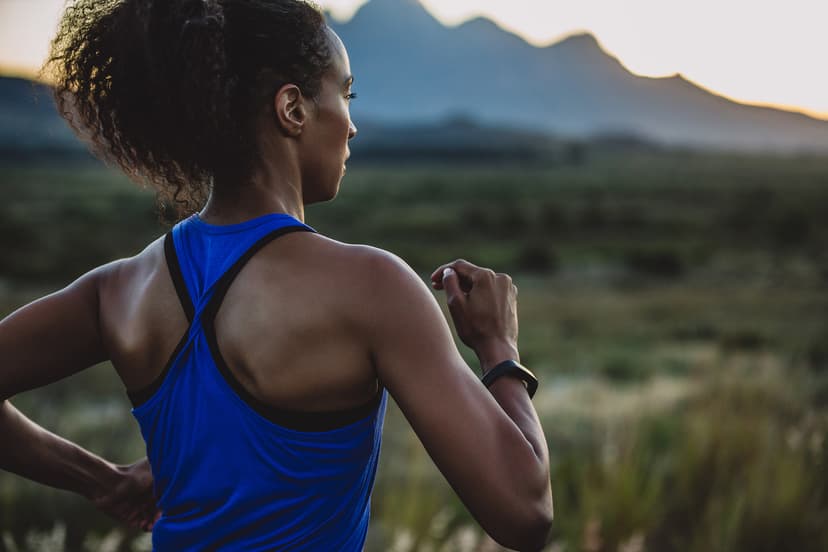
point(515, 370)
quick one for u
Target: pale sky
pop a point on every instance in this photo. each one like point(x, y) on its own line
point(754, 51)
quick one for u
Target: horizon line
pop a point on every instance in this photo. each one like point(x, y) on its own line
point(28, 73)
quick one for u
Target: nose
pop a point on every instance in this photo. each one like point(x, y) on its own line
point(352, 130)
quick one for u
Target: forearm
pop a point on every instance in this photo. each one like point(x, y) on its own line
point(32, 452)
point(531, 462)
point(510, 393)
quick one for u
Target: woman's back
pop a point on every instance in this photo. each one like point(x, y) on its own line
point(231, 465)
point(289, 326)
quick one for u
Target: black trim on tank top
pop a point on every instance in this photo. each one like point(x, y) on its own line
point(291, 419)
point(140, 396)
point(178, 277)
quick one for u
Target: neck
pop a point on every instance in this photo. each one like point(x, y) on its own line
point(271, 190)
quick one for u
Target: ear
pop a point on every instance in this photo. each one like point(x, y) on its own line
point(290, 109)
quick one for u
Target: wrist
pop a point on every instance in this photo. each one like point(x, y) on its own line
point(516, 372)
point(493, 353)
point(98, 477)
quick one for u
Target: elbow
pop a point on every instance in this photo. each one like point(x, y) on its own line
point(543, 528)
point(531, 532)
point(538, 530)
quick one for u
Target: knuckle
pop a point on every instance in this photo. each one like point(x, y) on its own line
point(466, 265)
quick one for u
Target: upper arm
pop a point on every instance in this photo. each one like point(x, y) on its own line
point(53, 337)
point(466, 432)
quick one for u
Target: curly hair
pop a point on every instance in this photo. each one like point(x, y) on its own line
point(171, 91)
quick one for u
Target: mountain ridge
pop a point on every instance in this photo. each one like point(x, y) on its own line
point(409, 66)
point(412, 69)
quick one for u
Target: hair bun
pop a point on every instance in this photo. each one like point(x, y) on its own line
point(200, 98)
point(207, 14)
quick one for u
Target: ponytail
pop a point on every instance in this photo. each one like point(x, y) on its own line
point(171, 90)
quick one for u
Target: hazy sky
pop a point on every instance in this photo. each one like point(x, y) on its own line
point(757, 51)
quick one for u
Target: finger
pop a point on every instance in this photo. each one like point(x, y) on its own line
point(483, 275)
point(466, 283)
point(455, 297)
point(504, 281)
point(151, 517)
point(155, 519)
point(437, 275)
point(146, 520)
point(462, 266)
point(465, 268)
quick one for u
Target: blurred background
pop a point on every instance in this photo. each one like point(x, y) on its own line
point(653, 174)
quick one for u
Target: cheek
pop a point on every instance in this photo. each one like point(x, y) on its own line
point(333, 144)
point(342, 127)
point(339, 124)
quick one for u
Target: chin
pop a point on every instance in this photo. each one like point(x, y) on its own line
point(321, 196)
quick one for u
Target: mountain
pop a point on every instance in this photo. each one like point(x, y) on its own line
point(29, 121)
point(480, 92)
point(409, 67)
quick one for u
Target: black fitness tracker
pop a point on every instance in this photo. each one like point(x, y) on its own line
point(513, 369)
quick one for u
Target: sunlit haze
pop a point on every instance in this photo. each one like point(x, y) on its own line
point(755, 52)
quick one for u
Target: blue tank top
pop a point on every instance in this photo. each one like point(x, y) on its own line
point(232, 473)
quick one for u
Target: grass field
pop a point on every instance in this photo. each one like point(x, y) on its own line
point(673, 304)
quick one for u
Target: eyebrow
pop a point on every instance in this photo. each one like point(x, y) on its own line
point(348, 80)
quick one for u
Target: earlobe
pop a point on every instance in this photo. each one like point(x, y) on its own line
point(290, 109)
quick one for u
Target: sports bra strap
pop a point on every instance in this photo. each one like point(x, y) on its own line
point(223, 284)
point(177, 277)
point(209, 256)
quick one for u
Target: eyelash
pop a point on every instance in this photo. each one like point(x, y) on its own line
point(351, 96)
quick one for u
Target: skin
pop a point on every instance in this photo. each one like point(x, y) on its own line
point(385, 330)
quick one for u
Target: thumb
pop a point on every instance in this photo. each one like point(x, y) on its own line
point(454, 294)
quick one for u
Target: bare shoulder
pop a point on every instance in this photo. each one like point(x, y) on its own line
point(363, 260)
point(99, 283)
point(384, 297)
point(117, 277)
point(136, 291)
point(140, 315)
point(365, 268)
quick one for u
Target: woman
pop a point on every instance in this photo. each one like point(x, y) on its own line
point(258, 354)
